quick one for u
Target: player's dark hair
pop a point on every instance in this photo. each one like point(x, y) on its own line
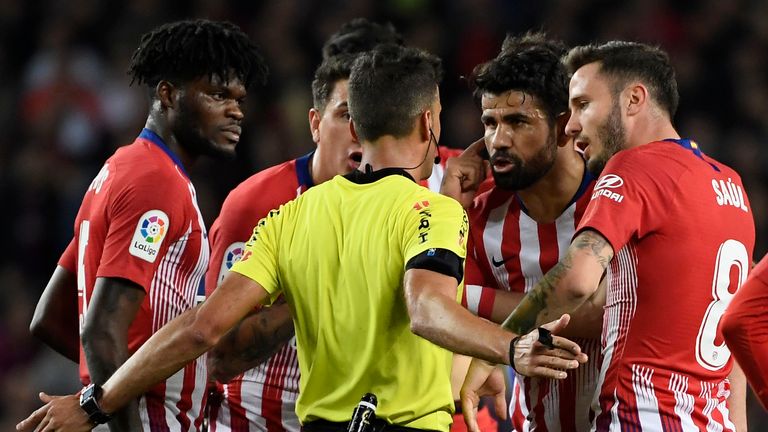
point(360, 35)
point(530, 64)
point(186, 50)
point(330, 71)
point(389, 87)
point(624, 61)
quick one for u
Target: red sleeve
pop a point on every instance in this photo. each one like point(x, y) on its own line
point(248, 203)
point(146, 215)
point(68, 259)
point(227, 237)
point(478, 294)
point(626, 200)
point(745, 328)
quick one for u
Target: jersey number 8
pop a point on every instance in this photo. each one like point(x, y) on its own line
point(732, 254)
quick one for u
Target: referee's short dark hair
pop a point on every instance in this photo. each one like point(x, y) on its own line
point(389, 87)
point(183, 51)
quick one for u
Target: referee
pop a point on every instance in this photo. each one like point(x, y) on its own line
point(369, 263)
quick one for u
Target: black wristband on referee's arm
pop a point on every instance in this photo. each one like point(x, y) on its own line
point(512, 344)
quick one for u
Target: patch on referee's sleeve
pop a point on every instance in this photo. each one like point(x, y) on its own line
point(150, 232)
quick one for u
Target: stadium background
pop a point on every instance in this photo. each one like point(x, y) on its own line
point(65, 105)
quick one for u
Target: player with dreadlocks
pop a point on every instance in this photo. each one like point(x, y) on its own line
point(140, 248)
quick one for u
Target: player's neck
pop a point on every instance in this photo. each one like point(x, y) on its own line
point(318, 172)
point(390, 152)
point(651, 130)
point(163, 130)
point(546, 199)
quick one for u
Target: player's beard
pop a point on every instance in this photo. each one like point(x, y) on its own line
point(613, 136)
point(526, 173)
point(194, 139)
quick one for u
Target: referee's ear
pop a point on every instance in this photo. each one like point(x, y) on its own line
point(353, 131)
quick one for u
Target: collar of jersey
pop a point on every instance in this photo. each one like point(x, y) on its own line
point(156, 140)
point(586, 179)
point(302, 170)
point(360, 177)
point(693, 148)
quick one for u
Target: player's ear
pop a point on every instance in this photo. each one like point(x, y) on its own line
point(314, 124)
point(165, 92)
point(635, 98)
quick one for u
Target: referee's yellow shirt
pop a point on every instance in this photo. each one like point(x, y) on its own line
point(338, 254)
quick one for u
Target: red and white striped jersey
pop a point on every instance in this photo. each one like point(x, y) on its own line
point(683, 232)
point(510, 251)
point(139, 221)
point(263, 398)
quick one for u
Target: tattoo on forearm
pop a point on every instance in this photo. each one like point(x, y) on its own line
point(265, 342)
point(596, 244)
point(523, 319)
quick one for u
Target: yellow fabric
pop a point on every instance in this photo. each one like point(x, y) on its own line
point(338, 253)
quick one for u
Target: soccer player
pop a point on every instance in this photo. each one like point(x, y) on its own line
point(140, 248)
point(744, 325)
point(520, 228)
point(264, 396)
point(673, 230)
point(369, 263)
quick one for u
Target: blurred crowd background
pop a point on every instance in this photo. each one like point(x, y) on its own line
point(65, 105)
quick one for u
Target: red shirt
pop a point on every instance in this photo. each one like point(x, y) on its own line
point(264, 397)
point(510, 251)
point(139, 221)
point(745, 326)
point(683, 232)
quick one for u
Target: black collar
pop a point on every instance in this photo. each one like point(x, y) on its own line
point(370, 176)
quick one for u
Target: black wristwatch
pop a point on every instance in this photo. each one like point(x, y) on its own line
point(89, 402)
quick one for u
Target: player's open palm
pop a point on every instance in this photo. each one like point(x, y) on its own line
point(541, 353)
point(483, 379)
point(59, 414)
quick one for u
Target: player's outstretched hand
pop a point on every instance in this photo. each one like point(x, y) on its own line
point(464, 173)
point(59, 414)
point(541, 353)
point(483, 379)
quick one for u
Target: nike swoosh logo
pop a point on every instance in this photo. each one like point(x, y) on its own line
point(499, 263)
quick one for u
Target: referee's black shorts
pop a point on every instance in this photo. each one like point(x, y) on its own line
point(379, 425)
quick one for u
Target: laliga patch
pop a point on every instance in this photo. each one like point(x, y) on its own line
point(149, 235)
point(232, 255)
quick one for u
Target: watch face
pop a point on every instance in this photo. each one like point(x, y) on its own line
point(90, 405)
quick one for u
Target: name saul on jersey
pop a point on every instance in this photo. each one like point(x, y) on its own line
point(604, 186)
point(729, 193)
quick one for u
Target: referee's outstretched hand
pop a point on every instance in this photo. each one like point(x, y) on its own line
point(536, 354)
point(464, 173)
point(534, 358)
